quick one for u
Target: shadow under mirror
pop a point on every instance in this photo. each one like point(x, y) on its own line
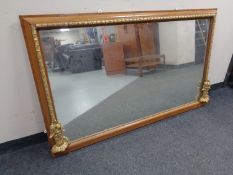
point(105, 76)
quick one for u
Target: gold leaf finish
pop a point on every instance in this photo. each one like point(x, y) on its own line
point(61, 142)
point(122, 20)
point(204, 98)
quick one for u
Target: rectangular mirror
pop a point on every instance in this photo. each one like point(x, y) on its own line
point(103, 77)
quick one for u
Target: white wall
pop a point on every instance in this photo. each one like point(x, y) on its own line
point(173, 39)
point(20, 113)
point(168, 41)
point(186, 34)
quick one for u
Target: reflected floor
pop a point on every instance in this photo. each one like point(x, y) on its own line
point(138, 97)
point(75, 94)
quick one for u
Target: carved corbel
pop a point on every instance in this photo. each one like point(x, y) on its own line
point(57, 133)
point(204, 97)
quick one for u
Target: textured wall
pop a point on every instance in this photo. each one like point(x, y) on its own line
point(20, 113)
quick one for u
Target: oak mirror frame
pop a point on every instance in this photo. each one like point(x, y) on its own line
point(32, 24)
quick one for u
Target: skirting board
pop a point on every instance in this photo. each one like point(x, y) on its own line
point(20, 143)
point(217, 86)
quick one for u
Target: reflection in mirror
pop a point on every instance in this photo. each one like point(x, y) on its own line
point(105, 76)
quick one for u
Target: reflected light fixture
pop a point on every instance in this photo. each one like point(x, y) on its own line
point(64, 30)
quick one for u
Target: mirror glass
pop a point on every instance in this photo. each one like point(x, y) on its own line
point(105, 76)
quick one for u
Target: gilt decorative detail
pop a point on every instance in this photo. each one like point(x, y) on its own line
point(204, 98)
point(61, 142)
point(56, 130)
point(120, 20)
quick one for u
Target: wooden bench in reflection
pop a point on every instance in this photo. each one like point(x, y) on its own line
point(145, 61)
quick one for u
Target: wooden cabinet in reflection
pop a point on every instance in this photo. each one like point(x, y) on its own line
point(113, 58)
point(140, 45)
point(136, 46)
point(138, 39)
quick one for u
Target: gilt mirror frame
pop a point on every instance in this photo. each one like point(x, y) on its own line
point(31, 24)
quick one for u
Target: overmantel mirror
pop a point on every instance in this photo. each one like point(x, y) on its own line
point(99, 75)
